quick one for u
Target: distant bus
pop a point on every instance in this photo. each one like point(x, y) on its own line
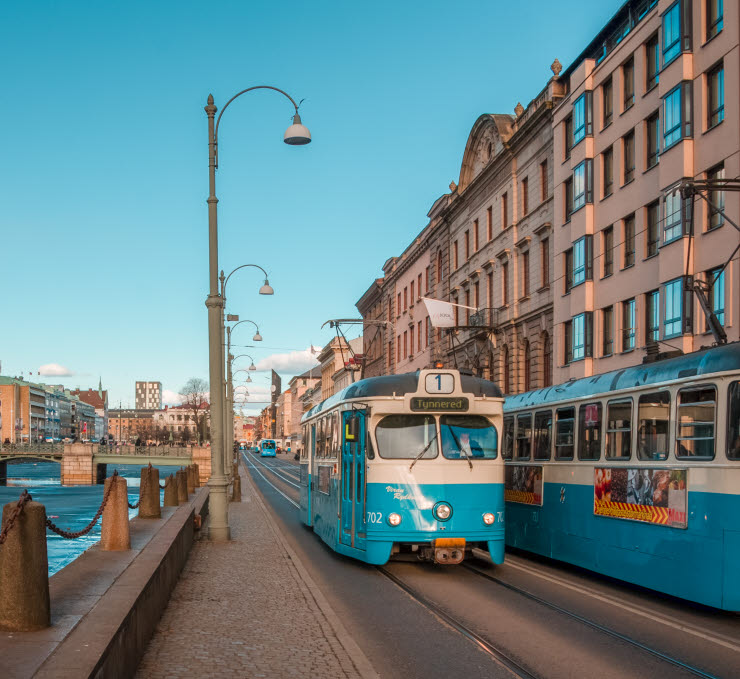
point(268, 448)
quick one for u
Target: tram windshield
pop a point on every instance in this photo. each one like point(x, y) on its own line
point(268, 445)
point(406, 436)
point(470, 436)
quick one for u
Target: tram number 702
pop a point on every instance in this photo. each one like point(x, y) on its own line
point(375, 517)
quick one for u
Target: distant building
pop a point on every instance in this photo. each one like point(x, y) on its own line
point(98, 399)
point(22, 411)
point(148, 395)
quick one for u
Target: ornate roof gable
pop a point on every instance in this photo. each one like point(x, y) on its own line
point(486, 140)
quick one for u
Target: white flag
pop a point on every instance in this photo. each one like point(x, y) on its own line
point(440, 313)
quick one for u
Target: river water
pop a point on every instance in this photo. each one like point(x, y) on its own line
point(69, 507)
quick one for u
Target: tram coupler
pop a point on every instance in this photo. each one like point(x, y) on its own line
point(449, 551)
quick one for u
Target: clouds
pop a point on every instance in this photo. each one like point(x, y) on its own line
point(55, 370)
point(171, 398)
point(292, 363)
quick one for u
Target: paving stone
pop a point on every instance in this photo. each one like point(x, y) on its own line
point(241, 609)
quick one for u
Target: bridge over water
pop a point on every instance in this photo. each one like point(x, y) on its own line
point(84, 464)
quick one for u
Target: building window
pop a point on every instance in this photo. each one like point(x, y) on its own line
point(545, 263)
point(405, 299)
point(608, 169)
point(405, 343)
point(476, 295)
point(652, 63)
point(607, 102)
point(457, 310)
point(676, 216)
point(411, 341)
point(418, 285)
point(505, 282)
point(543, 180)
point(715, 12)
point(583, 184)
point(527, 369)
point(525, 196)
point(677, 117)
point(582, 330)
point(568, 270)
point(716, 95)
point(568, 131)
point(439, 266)
point(467, 245)
point(426, 334)
point(504, 211)
point(607, 331)
point(582, 260)
point(525, 276)
point(412, 293)
point(652, 234)
point(398, 348)
point(628, 325)
point(652, 129)
point(454, 255)
point(716, 282)
point(582, 117)
point(672, 33)
point(628, 83)
point(568, 188)
point(628, 156)
point(673, 319)
point(652, 316)
point(568, 342)
point(418, 336)
point(490, 289)
point(398, 305)
point(546, 360)
point(428, 279)
point(716, 198)
point(629, 241)
point(475, 235)
point(467, 307)
point(507, 370)
point(608, 247)
point(489, 223)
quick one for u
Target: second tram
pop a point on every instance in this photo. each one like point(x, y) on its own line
point(406, 464)
point(268, 448)
point(634, 474)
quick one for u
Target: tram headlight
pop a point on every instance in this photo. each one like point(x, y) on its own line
point(442, 511)
point(394, 519)
point(489, 518)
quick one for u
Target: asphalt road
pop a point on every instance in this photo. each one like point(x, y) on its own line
point(552, 620)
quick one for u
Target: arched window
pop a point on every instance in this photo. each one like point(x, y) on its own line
point(546, 360)
point(506, 369)
point(527, 366)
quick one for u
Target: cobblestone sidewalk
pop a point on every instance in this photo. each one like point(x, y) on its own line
point(242, 609)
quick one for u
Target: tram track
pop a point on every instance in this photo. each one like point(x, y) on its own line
point(499, 656)
point(592, 624)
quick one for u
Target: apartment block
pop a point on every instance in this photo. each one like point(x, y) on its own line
point(148, 395)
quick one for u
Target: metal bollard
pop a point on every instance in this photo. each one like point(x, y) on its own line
point(182, 486)
point(170, 491)
point(236, 492)
point(149, 493)
point(24, 579)
point(114, 531)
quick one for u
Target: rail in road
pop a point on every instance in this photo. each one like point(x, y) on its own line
point(518, 613)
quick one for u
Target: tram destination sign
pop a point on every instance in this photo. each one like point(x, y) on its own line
point(447, 404)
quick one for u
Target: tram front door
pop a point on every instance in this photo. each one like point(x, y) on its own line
point(353, 479)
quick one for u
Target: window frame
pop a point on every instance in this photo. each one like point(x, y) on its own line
point(654, 456)
point(679, 405)
point(652, 228)
point(652, 320)
point(628, 241)
point(629, 332)
point(607, 95)
point(652, 78)
point(717, 276)
point(628, 93)
point(539, 414)
point(556, 427)
point(718, 71)
point(714, 27)
point(608, 250)
point(652, 134)
point(608, 162)
point(582, 444)
point(507, 439)
point(607, 338)
point(517, 437)
point(681, 107)
point(628, 156)
point(733, 415)
point(617, 401)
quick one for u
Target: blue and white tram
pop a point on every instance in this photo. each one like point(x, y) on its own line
point(268, 448)
point(634, 474)
point(406, 464)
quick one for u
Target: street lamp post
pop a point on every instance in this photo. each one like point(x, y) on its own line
point(295, 135)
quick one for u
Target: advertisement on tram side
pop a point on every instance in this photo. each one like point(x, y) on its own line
point(523, 484)
point(656, 496)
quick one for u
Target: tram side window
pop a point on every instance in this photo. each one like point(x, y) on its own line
point(329, 434)
point(565, 433)
point(320, 438)
point(733, 421)
point(304, 449)
point(619, 430)
point(369, 450)
point(589, 431)
point(653, 418)
point(542, 434)
point(695, 425)
point(507, 451)
point(524, 436)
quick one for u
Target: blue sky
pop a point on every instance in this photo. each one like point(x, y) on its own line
point(103, 233)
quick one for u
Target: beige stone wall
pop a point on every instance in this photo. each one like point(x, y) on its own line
point(202, 457)
point(77, 465)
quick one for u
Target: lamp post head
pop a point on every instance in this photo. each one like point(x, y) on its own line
point(266, 289)
point(249, 378)
point(297, 134)
point(252, 367)
point(257, 337)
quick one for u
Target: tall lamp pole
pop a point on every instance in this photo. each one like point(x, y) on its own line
point(295, 135)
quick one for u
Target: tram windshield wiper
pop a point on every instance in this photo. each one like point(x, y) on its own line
point(424, 450)
point(459, 447)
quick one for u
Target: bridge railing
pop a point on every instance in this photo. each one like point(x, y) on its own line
point(146, 451)
point(48, 448)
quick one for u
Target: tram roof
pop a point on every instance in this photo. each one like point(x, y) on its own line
point(400, 385)
point(704, 362)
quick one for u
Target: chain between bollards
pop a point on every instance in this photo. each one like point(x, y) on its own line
point(71, 535)
point(22, 500)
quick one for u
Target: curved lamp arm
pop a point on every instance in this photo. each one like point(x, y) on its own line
point(242, 355)
point(224, 282)
point(256, 338)
point(249, 89)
